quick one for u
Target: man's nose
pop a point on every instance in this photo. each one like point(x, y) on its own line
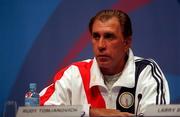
point(102, 44)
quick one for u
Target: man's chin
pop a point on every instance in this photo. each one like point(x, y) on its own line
point(105, 69)
point(104, 65)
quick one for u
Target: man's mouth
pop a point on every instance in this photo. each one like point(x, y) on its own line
point(103, 58)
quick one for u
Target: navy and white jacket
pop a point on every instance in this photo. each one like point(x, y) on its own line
point(82, 83)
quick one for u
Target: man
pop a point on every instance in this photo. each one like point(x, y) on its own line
point(115, 82)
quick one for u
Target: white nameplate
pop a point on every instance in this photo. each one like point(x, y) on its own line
point(163, 110)
point(50, 111)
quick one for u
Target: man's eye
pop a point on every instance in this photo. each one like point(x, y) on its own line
point(109, 36)
point(95, 36)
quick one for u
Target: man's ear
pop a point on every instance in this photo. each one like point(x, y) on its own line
point(128, 41)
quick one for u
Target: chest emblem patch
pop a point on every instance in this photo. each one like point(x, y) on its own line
point(126, 100)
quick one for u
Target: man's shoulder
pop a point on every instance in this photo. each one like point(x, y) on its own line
point(144, 60)
point(83, 63)
point(79, 65)
point(72, 68)
point(142, 63)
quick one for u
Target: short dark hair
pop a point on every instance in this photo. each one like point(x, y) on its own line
point(105, 15)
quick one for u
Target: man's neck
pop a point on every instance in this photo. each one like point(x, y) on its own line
point(116, 69)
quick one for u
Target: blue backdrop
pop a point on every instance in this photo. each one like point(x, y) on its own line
point(39, 37)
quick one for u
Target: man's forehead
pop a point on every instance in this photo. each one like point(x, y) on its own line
point(106, 27)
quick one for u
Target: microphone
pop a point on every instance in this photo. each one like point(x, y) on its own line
point(139, 99)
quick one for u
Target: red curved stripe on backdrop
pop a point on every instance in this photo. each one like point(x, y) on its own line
point(76, 49)
point(130, 5)
point(124, 5)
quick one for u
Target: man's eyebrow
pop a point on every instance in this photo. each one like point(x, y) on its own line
point(109, 34)
point(95, 33)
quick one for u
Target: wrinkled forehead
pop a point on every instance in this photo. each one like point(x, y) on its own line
point(111, 24)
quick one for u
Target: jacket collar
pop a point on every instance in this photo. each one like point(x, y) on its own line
point(126, 79)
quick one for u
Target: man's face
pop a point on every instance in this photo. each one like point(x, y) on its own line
point(109, 45)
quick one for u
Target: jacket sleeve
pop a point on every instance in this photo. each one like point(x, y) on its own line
point(153, 86)
point(59, 92)
point(67, 89)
